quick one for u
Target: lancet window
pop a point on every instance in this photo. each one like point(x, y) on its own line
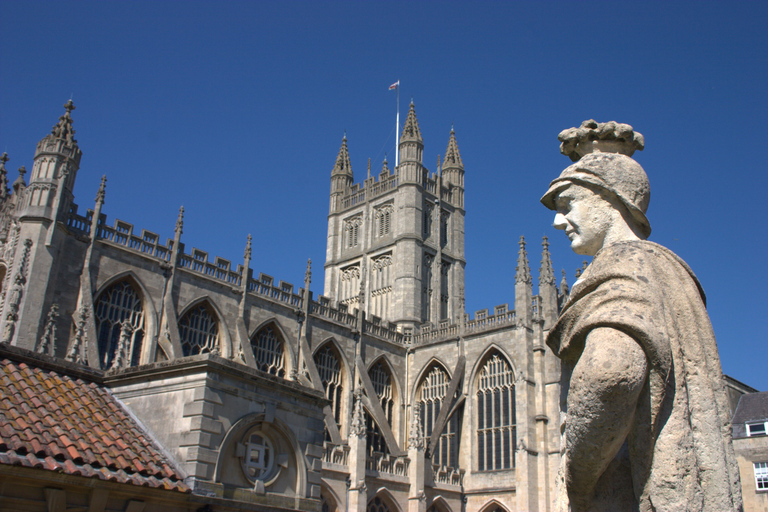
point(381, 378)
point(445, 269)
point(383, 220)
point(444, 228)
point(381, 285)
point(352, 231)
point(430, 396)
point(199, 330)
point(119, 325)
point(496, 435)
point(427, 221)
point(349, 285)
point(269, 350)
point(329, 367)
point(426, 288)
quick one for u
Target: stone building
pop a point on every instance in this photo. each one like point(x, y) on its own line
point(382, 394)
point(750, 442)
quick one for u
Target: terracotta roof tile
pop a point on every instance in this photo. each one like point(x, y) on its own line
point(56, 422)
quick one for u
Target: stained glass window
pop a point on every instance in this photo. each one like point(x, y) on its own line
point(119, 325)
point(199, 330)
point(269, 350)
point(496, 415)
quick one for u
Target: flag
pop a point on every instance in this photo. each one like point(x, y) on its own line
point(394, 85)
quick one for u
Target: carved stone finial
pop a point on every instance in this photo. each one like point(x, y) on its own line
point(357, 427)
point(247, 255)
point(369, 168)
point(594, 137)
point(121, 358)
point(523, 270)
point(16, 292)
point(564, 285)
point(308, 274)
point(48, 341)
point(79, 344)
point(180, 221)
point(102, 190)
point(63, 129)
point(415, 433)
point(3, 177)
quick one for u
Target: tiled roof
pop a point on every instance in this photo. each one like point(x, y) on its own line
point(55, 422)
point(752, 407)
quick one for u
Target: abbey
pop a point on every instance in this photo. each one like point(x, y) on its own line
point(381, 394)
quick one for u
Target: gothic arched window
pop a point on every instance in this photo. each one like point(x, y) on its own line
point(352, 231)
point(269, 350)
point(329, 367)
point(377, 505)
point(199, 330)
point(430, 396)
point(383, 220)
point(496, 415)
point(119, 325)
point(381, 378)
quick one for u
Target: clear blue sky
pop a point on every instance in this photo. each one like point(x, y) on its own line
point(236, 110)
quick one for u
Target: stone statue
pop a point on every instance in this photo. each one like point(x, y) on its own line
point(645, 421)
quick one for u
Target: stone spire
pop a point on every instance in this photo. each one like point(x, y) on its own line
point(343, 166)
point(341, 176)
point(523, 288)
point(452, 158)
point(546, 272)
point(548, 303)
point(453, 171)
point(57, 160)
point(411, 149)
point(522, 271)
point(411, 131)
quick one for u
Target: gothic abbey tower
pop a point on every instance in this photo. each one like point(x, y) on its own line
point(381, 395)
point(396, 242)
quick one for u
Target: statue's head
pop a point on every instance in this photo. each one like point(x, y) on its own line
point(604, 177)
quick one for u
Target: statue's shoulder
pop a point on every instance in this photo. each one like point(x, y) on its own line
point(646, 259)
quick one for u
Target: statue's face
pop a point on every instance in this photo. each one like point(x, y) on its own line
point(585, 217)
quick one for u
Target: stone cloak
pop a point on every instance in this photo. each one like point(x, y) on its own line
point(679, 443)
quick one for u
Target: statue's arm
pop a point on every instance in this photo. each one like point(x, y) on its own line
point(604, 389)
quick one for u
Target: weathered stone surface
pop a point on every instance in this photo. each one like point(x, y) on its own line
point(645, 415)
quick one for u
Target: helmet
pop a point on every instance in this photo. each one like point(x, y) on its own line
point(614, 172)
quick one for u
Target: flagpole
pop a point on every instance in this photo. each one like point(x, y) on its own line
point(397, 128)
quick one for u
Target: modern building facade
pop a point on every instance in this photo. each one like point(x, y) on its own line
point(382, 394)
